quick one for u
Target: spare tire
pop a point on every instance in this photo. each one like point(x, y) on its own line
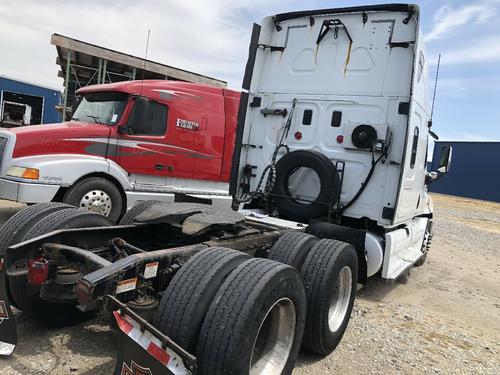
point(295, 207)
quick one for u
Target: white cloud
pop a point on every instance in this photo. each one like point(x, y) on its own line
point(486, 50)
point(207, 37)
point(448, 20)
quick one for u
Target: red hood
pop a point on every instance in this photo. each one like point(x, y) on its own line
point(55, 138)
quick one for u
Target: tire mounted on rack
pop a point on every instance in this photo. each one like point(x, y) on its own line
point(288, 206)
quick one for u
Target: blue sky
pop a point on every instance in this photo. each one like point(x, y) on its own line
point(211, 37)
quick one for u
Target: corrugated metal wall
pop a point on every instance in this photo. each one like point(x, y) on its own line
point(474, 172)
point(51, 97)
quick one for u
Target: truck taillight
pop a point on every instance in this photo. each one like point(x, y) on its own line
point(38, 271)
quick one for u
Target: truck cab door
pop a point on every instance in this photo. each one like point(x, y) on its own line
point(412, 181)
point(143, 149)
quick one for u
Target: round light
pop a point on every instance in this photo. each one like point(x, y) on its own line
point(340, 138)
point(298, 136)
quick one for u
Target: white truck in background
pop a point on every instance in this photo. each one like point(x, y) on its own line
point(329, 181)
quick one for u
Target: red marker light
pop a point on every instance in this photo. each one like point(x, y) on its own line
point(340, 138)
point(298, 136)
point(38, 271)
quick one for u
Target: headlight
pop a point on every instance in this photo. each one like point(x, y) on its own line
point(21, 172)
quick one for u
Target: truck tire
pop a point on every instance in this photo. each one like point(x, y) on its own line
point(287, 205)
point(426, 245)
point(255, 322)
point(330, 274)
point(187, 298)
point(96, 194)
point(27, 296)
point(17, 225)
point(292, 248)
point(135, 211)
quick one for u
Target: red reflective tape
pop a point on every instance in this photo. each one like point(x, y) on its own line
point(125, 326)
point(159, 353)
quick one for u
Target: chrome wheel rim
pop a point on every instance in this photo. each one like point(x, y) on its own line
point(339, 301)
point(274, 339)
point(97, 201)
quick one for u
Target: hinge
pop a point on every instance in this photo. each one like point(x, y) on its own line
point(410, 14)
point(404, 108)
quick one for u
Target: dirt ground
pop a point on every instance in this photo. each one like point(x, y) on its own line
point(444, 318)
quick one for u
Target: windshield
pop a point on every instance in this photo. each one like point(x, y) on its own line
point(101, 108)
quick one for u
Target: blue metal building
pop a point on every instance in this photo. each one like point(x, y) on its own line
point(15, 98)
point(474, 171)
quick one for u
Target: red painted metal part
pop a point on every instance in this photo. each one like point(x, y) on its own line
point(204, 153)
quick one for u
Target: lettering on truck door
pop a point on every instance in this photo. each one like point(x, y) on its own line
point(144, 148)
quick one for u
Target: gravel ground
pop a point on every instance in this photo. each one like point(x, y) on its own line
point(443, 318)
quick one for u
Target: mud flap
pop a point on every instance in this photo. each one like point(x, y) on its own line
point(143, 351)
point(8, 328)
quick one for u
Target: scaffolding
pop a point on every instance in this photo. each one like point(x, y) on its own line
point(82, 64)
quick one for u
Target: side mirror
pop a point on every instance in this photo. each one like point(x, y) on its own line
point(445, 161)
point(123, 129)
point(443, 167)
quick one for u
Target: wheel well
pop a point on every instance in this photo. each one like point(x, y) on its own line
point(362, 266)
point(62, 190)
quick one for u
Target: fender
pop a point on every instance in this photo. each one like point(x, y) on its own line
point(65, 169)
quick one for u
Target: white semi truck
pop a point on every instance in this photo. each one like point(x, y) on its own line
point(329, 182)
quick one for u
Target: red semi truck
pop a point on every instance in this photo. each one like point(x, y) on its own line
point(127, 142)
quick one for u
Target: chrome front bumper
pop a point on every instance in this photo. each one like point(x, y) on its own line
point(27, 192)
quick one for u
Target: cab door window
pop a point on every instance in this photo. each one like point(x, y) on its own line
point(147, 117)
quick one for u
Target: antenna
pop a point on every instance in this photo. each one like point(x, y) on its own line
point(144, 62)
point(435, 86)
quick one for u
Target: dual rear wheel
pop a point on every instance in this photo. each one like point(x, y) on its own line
point(31, 222)
point(242, 315)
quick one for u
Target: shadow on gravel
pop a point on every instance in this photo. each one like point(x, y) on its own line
point(104, 369)
point(307, 358)
point(377, 289)
point(91, 338)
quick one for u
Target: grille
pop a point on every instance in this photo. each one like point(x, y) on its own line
point(3, 143)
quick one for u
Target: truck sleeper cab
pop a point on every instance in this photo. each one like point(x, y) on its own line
point(127, 142)
point(201, 290)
